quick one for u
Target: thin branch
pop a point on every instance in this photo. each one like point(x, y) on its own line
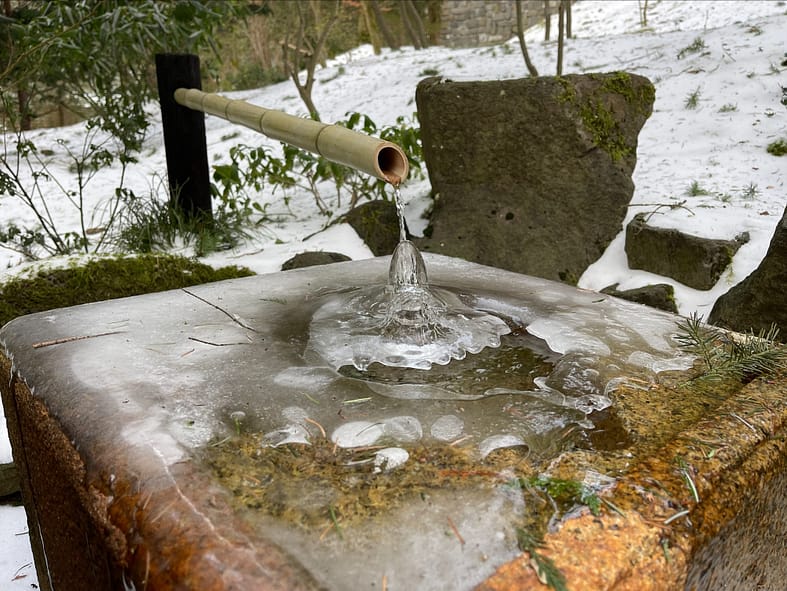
point(42, 344)
point(234, 317)
point(211, 343)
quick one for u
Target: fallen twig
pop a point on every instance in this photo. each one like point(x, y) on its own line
point(214, 344)
point(41, 344)
point(456, 531)
point(234, 317)
point(320, 427)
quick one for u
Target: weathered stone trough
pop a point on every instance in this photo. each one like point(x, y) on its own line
point(162, 444)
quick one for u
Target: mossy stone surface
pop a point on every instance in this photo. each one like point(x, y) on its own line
point(531, 175)
point(104, 279)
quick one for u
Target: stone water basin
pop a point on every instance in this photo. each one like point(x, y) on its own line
point(194, 439)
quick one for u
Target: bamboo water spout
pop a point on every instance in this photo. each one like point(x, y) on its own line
point(379, 158)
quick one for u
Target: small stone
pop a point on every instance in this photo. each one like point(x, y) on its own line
point(311, 259)
point(658, 295)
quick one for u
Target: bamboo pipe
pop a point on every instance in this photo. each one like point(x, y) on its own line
point(379, 158)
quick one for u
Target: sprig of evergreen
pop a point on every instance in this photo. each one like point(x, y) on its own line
point(729, 357)
point(545, 568)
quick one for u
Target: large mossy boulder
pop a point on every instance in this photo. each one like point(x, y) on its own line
point(758, 301)
point(531, 175)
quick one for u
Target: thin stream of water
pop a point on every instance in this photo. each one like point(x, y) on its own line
point(399, 212)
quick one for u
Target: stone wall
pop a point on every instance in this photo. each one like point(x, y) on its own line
point(473, 23)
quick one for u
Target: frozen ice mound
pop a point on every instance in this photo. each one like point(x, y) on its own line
point(406, 323)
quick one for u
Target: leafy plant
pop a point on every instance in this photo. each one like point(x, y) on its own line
point(728, 108)
point(103, 68)
point(103, 54)
point(254, 168)
point(728, 356)
point(26, 174)
point(152, 224)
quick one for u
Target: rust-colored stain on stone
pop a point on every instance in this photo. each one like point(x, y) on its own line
point(610, 552)
point(723, 459)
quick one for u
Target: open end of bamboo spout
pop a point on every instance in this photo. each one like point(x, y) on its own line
point(392, 162)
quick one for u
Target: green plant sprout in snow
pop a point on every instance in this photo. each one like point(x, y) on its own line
point(692, 99)
point(696, 190)
point(696, 46)
point(751, 191)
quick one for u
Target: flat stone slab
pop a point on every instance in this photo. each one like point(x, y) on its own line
point(694, 261)
point(191, 440)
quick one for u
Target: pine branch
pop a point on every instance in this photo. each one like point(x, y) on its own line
point(545, 568)
point(726, 355)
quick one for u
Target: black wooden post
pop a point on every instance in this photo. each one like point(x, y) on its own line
point(184, 136)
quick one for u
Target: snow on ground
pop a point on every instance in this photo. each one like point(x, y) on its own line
point(719, 146)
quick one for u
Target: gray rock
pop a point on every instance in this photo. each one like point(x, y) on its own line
point(694, 261)
point(758, 301)
point(310, 259)
point(377, 224)
point(658, 295)
point(531, 175)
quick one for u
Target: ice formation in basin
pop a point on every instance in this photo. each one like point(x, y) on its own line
point(406, 323)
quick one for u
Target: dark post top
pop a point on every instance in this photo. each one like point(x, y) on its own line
point(184, 136)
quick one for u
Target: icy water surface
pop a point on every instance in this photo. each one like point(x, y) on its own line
point(410, 474)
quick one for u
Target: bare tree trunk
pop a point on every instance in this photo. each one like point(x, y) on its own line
point(568, 19)
point(560, 29)
point(417, 23)
point(521, 35)
point(408, 25)
point(643, 13)
point(385, 30)
point(371, 28)
point(434, 18)
point(22, 95)
point(25, 119)
point(311, 50)
point(547, 20)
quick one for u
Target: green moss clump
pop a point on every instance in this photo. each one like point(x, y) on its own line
point(311, 485)
point(105, 279)
point(606, 133)
point(620, 83)
point(598, 119)
point(777, 148)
